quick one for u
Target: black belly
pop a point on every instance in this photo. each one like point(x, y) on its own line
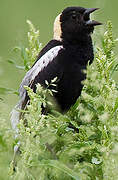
point(69, 82)
point(69, 87)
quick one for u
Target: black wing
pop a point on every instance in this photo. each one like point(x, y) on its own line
point(46, 68)
point(49, 46)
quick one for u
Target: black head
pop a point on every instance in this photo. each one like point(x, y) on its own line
point(76, 24)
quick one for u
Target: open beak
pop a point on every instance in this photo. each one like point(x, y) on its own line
point(87, 14)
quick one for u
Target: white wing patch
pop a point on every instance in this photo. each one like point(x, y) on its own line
point(38, 67)
point(29, 77)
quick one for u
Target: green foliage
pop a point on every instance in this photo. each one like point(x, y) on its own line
point(6, 148)
point(30, 53)
point(4, 91)
point(81, 144)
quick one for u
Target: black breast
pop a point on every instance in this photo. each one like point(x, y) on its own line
point(73, 62)
point(68, 67)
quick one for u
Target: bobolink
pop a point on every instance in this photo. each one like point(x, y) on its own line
point(64, 57)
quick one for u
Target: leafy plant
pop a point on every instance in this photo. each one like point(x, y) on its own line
point(30, 53)
point(81, 144)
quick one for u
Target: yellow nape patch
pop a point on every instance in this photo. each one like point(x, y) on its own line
point(57, 28)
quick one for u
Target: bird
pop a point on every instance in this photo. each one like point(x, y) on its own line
point(65, 57)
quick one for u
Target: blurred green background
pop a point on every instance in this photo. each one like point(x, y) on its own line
point(13, 32)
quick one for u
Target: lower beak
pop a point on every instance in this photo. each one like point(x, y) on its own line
point(93, 23)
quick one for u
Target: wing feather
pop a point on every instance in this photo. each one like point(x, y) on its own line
point(29, 78)
point(38, 67)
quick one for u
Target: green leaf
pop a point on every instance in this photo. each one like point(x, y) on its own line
point(16, 49)
point(20, 67)
point(5, 90)
point(58, 165)
point(115, 106)
point(1, 99)
point(11, 61)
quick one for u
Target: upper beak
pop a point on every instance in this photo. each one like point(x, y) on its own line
point(86, 16)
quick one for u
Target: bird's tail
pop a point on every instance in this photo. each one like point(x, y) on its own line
point(16, 114)
point(15, 118)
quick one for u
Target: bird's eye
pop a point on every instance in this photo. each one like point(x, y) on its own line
point(73, 16)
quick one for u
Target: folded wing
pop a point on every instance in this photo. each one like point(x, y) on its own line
point(37, 74)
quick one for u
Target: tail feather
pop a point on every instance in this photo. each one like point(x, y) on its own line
point(15, 118)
